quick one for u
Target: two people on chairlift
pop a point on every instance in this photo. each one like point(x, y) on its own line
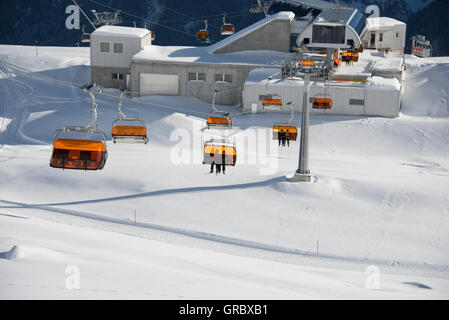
point(284, 137)
point(219, 161)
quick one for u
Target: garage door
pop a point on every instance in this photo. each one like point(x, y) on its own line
point(151, 83)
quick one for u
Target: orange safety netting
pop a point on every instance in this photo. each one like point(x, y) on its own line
point(129, 131)
point(80, 145)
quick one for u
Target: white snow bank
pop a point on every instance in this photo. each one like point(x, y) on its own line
point(383, 83)
point(47, 57)
point(21, 252)
point(388, 65)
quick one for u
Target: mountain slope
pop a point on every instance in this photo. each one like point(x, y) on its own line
point(174, 21)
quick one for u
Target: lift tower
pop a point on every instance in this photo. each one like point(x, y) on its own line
point(302, 66)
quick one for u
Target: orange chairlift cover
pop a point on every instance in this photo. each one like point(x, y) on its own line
point(306, 63)
point(322, 103)
point(129, 131)
point(228, 28)
point(219, 120)
point(272, 102)
point(79, 145)
point(210, 149)
point(291, 130)
point(214, 153)
point(85, 38)
point(78, 154)
point(202, 35)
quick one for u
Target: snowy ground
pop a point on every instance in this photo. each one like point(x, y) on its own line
point(379, 201)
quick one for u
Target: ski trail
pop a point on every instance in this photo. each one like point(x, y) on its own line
point(228, 240)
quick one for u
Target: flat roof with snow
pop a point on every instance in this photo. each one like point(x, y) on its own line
point(203, 55)
point(128, 32)
point(383, 22)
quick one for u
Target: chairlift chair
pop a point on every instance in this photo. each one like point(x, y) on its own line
point(214, 150)
point(85, 37)
point(227, 29)
point(203, 34)
point(323, 102)
point(124, 129)
point(219, 119)
point(80, 154)
point(271, 100)
point(286, 126)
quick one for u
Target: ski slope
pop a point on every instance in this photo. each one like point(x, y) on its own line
point(155, 225)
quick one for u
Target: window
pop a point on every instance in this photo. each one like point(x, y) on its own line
point(118, 76)
point(328, 34)
point(221, 77)
point(118, 48)
point(197, 76)
point(381, 37)
point(357, 102)
point(396, 35)
point(105, 47)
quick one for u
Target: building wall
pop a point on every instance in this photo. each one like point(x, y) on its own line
point(231, 92)
point(98, 59)
point(103, 65)
point(396, 44)
point(380, 102)
point(273, 36)
point(102, 76)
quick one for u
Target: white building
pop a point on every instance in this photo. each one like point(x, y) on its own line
point(371, 87)
point(111, 50)
point(384, 33)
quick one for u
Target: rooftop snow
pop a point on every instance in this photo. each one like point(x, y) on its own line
point(112, 31)
point(203, 55)
point(382, 22)
point(394, 65)
point(383, 83)
point(372, 60)
point(278, 16)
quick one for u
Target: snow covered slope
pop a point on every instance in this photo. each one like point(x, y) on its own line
point(380, 197)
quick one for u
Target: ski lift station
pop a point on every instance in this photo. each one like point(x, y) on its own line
point(249, 66)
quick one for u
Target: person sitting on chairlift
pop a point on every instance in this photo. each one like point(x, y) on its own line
point(280, 136)
point(217, 163)
point(287, 137)
point(223, 159)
